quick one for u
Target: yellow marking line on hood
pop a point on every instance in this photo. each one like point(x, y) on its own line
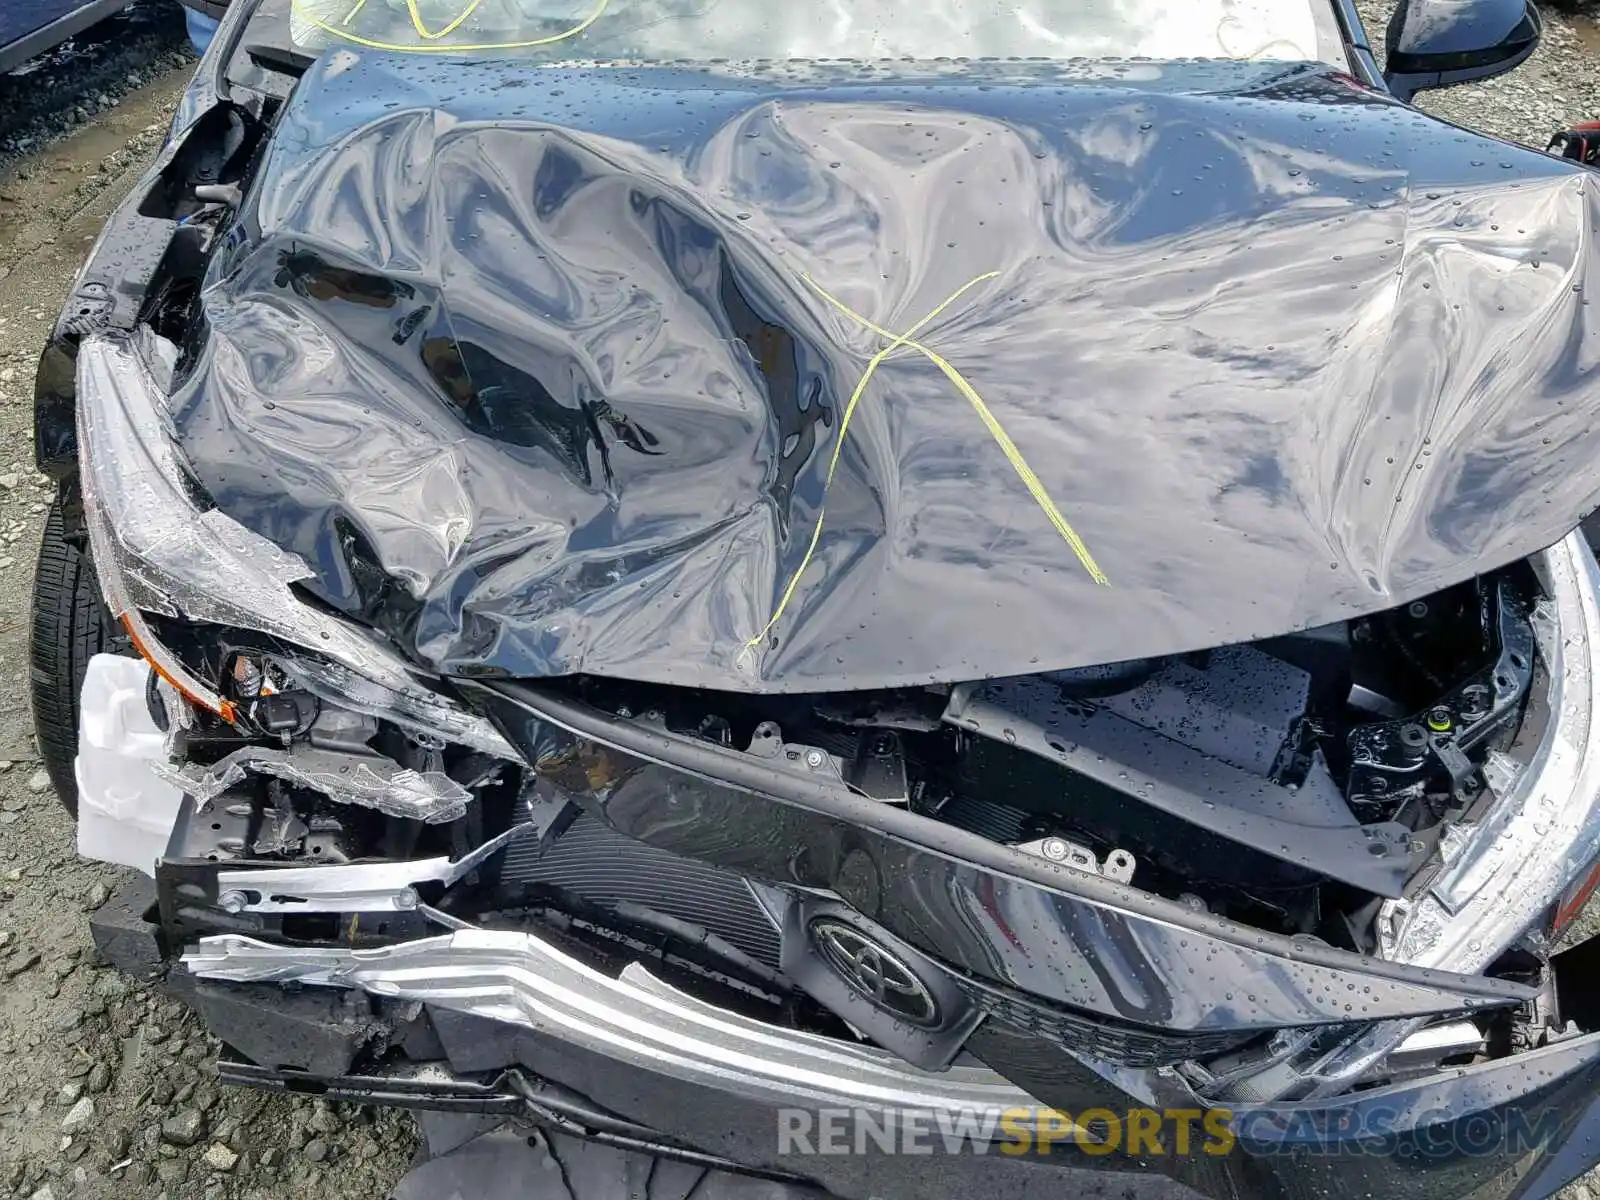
point(906, 340)
point(303, 8)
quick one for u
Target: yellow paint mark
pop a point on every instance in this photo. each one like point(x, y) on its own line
point(303, 9)
point(907, 340)
point(351, 15)
point(997, 431)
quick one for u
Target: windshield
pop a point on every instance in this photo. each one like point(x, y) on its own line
point(659, 30)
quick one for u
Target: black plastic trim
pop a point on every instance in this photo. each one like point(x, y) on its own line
point(921, 879)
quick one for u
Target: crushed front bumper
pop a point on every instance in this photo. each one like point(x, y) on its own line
point(848, 1117)
point(512, 1027)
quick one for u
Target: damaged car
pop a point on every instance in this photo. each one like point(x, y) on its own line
point(640, 569)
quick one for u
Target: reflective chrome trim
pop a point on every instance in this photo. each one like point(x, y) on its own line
point(341, 887)
point(368, 780)
point(1543, 832)
point(636, 1019)
point(1427, 1048)
point(352, 887)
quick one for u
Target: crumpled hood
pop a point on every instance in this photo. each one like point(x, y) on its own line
point(546, 371)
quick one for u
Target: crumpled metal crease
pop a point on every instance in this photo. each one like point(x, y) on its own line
point(428, 796)
point(1280, 350)
point(172, 557)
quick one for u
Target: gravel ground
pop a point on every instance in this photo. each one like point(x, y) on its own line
point(70, 86)
point(110, 1090)
point(1558, 85)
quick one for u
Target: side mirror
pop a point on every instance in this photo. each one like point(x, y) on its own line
point(1580, 142)
point(1436, 43)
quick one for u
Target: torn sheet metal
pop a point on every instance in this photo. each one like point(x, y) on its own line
point(533, 370)
point(372, 782)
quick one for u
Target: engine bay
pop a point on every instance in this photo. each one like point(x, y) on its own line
point(1286, 784)
point(1291, 785)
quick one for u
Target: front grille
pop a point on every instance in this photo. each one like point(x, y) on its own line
point(1104, 1037)
point(996, 822)
point(594, 862)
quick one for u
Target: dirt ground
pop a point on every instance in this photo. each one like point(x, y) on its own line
point(110, 1090)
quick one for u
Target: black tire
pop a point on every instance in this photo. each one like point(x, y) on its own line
point(71, 624)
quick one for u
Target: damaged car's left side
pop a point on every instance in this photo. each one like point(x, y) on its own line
point(302, 737)
point(249, 685)
point(247, 672)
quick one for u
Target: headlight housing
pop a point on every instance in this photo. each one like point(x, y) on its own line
point(156, 550)
point(1503, 869)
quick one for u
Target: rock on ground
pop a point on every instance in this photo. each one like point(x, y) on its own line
point(78, 81)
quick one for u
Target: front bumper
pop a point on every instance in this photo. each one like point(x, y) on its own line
point(861, 1122)
point(1053, 988)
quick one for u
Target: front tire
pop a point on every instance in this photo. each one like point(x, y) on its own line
point(71, 624)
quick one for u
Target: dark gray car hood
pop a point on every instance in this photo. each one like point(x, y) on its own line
point(545, 371)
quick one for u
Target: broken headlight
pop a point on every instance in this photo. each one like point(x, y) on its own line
point(1507, 864)
point(157, 550)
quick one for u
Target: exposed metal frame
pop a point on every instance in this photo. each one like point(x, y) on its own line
point(521, 979)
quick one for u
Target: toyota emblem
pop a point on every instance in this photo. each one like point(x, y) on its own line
point(874, 972)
